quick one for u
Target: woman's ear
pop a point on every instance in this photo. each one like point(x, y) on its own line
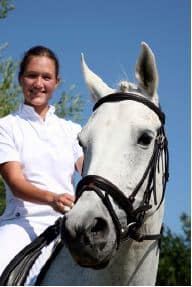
point(58, 82)
point(20, 80)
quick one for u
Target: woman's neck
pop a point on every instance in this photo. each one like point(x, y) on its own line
point(41, 110)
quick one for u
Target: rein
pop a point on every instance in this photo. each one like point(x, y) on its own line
point(104, 188)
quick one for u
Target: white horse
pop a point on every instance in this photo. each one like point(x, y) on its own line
point(114, 228)
point(113, 231)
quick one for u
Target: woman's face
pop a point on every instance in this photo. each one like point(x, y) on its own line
point(39, 81)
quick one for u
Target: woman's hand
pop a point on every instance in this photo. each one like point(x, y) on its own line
point(62, 202)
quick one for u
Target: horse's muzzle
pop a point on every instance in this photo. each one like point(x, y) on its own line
point(89, 241)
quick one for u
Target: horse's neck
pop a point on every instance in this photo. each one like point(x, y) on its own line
point(128, 268)
point(139, 265)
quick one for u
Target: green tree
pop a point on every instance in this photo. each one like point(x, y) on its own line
point(7, 69)
point(10, 92)
point(175, 256)
point(5, 7)
point(69, 104)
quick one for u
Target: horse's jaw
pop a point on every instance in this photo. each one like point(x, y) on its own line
point(92, 263)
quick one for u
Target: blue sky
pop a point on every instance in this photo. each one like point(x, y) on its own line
point(109, 33)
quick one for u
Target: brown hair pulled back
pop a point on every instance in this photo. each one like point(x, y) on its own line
point(38, 51)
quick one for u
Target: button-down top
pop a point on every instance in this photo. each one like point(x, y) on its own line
point(47, 151)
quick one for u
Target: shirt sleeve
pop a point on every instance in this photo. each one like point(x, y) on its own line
point(77, 149)
point(8, 151)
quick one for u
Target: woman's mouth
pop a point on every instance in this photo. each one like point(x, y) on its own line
point(34, 94)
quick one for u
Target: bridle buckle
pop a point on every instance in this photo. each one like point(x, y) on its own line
point(161, 140)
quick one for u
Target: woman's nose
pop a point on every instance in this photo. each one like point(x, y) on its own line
point(38, 82)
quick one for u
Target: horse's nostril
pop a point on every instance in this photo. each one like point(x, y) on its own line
point(100, 225)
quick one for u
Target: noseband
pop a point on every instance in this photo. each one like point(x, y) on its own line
point(104, 188)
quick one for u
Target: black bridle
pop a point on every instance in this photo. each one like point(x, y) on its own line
point(104, 188)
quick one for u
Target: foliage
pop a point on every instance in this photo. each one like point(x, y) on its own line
point(10, 92)
point(69, 105)
point(175, 256)
point(5, 7)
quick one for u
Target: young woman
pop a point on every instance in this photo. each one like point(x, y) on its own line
point(38, 155)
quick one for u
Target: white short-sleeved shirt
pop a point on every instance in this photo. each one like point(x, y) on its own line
point(47, 151)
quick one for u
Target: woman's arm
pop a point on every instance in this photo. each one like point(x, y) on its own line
point(79, 164)
point(14, 177)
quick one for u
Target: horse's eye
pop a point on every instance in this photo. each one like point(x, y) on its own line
point(145, 139)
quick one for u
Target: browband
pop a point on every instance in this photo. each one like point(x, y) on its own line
point(133, 97)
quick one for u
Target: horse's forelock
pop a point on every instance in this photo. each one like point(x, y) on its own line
point(125, 87)
point(128, 87)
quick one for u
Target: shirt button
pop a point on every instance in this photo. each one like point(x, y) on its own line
point(17, 214)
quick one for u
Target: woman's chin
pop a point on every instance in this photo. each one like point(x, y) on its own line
point(37, 102)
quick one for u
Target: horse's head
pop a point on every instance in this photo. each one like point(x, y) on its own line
point(124, 172)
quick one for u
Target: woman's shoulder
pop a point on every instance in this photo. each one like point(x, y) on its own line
point(7, 124)
point(7, 120)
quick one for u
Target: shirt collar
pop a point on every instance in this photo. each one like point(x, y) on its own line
point(29, 112)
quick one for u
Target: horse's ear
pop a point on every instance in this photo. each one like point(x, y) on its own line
point(146, 71)
point(95, 84)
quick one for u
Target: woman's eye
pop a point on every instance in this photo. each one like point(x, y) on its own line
point(30, 75)
point(145, 139)
point(47, 77)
